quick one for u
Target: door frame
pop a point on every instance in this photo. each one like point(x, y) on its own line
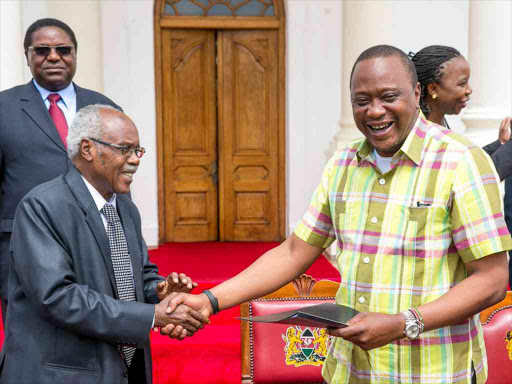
point(162, 22)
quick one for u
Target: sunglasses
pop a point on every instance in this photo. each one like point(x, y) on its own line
point(44, 50)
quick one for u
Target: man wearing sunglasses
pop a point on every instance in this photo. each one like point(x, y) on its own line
point(34, 120)
point(83, 295)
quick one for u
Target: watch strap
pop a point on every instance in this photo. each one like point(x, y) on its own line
point(213, 301)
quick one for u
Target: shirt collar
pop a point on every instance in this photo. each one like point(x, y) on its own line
point(412, 147)
point(67, 94)
point(98, 199)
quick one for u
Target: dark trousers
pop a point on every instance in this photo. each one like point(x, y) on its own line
point(4, 310)
point(5, 238)
point(137, 370)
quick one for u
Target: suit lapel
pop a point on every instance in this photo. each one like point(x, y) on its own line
point(133, 249)
point(34, 107)
point(93, 219)
point(80, 98)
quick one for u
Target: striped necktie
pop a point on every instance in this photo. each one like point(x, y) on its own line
point(121, 263)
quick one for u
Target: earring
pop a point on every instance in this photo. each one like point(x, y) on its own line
point(434, 96)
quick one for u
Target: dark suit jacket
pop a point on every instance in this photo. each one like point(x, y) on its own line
point(501, 156)
point(64, 319)
point(31, 152)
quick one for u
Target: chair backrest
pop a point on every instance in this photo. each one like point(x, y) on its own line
point(279, 353)
point(497, 325)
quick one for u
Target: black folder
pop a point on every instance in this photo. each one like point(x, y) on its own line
point(326, 315)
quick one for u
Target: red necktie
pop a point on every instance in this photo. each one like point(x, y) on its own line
point(58, 117)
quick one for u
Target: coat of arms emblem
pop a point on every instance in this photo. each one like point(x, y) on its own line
point(305, 346)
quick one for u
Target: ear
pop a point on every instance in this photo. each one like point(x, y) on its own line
point(432, 89)
point(26, 57)
point(87, 150)
point(417, 94)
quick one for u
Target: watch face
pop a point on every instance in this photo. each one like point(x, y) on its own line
point(412, 331)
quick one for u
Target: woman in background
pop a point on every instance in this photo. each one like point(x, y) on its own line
point(444, 77)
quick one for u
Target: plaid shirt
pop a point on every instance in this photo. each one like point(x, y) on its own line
point(404, 238)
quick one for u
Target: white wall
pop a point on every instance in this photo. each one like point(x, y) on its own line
point(129, 78)
point(324, 37)
point(11, 66)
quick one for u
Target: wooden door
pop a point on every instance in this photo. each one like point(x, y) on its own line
point(248, 90)
point(190, 135)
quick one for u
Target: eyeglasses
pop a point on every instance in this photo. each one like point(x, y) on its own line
point(44, 50)
point(126, 150)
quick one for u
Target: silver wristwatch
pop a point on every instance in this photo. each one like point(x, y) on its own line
point(413, 326)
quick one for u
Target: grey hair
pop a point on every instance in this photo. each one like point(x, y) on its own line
point(86, 124)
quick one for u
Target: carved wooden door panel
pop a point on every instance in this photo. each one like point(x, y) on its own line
point(248, 135)
point(190, 135)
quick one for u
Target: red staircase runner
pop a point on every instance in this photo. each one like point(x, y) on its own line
point(212, 356)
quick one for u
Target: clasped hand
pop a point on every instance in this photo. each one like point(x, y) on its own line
point(199, 304)
point(182, 321)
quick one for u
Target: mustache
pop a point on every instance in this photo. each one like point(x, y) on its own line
point(130, 168)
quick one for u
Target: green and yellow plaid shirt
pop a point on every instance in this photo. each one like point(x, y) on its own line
point(404, 238)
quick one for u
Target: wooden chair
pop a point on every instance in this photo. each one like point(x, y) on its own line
point(497, 325)
point(278, 353)
point(264, 358)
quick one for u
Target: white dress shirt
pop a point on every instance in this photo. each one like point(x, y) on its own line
point(100, 202)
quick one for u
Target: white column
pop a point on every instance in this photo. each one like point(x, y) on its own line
point(84, 18)
point(11, 45)
point(313, 95)
point(361, 20)
point(129, 79)
point(30, 12)
point(403, 24)
point(490, 59)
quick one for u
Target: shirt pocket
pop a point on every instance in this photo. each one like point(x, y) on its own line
point(426, 241)
point(416, 237)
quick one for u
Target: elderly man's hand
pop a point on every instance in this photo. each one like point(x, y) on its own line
point(174, 283)
point(184, 320)
point(200, 303)
point(371, 330)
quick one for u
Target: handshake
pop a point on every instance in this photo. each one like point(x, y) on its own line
point(179, 314)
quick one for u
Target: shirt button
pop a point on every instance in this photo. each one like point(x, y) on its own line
point(366, 260)
point(374, 220)
point(362, 300)
point(382, 181)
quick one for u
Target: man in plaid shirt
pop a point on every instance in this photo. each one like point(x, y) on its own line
point(422, 240)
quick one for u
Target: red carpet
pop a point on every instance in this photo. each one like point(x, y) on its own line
point(212, 356)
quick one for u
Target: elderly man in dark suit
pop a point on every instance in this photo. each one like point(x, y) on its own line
point(83, 295)
point(34, 119)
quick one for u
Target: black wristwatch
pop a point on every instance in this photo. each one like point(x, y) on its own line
point(213, 301)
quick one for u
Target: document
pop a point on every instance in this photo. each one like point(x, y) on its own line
point(326, 315)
